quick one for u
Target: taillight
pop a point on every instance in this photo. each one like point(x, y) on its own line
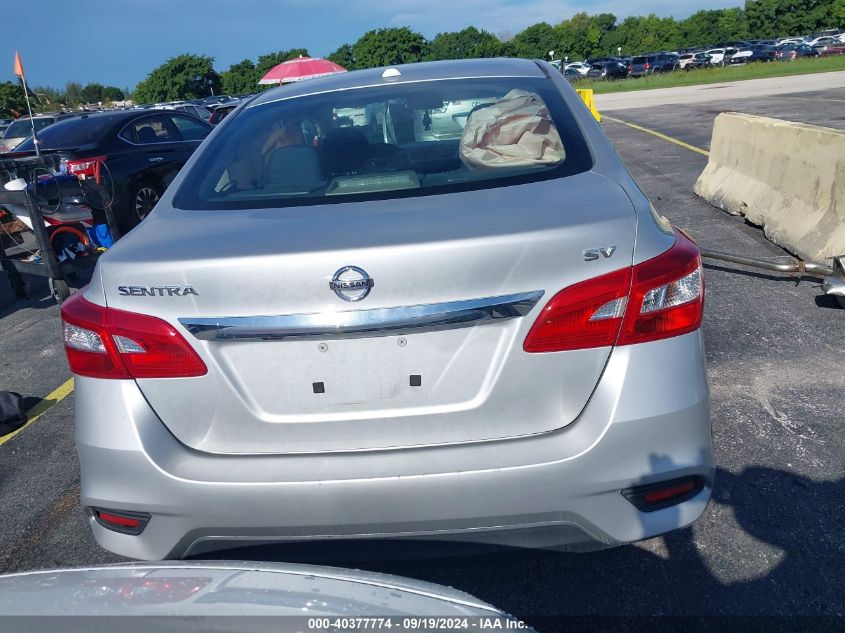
point(657, 299)
point(108, 343)
point(84, 168)
point(121, 520)
point(667, 295)
point(647, 66)
point(665, 494)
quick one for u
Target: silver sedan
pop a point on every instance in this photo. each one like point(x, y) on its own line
point(334, 330)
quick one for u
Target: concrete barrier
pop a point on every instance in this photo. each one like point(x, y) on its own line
point(589, 100)
point(787, 177)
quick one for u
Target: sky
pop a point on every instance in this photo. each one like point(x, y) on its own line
point(118, 42)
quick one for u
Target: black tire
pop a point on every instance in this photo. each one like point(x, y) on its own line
point(59, 289)
point(143, 198)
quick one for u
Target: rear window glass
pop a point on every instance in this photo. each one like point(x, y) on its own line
point(70, 133)
point(398, 140)
point(23, 128)
point(639, 60)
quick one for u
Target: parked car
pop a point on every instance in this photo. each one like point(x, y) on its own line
point(823, 42)
point(699, 60)
point(652, 63)
point(833, 50)
point(204, 114)
point(500, 319)
point(219, 112)
point(608, 70)
point(755, 53)
point(136, 153)
point(684, 59)
point(21, 129)
point(792, 52)
point(581, 67)
point(200, 591)
point(720, 56)
point(572, 74)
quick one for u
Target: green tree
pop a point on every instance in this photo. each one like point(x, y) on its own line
point(386, 47)
point(73, 94)
point(12, 101)
point(537, 41)
point(92, 93)
point(344, 56)
point(466, 44)
point(241, 78)
point(113, 93)
point(182, 77)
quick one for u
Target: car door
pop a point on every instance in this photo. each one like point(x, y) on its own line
point(191, 132)
point(158, 148)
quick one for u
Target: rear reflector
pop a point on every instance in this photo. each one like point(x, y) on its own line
point(665, 494)
point(657, 299)
point(121, 520)
point(108, 343)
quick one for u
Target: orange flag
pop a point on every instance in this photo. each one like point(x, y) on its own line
point(18, 65)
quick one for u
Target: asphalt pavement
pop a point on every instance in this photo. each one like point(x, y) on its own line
point(771, 541)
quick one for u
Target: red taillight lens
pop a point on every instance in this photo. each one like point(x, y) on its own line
point(667, 295)
point(84, 168)
point(108, 343)
point(588, 314)
point(647, 66)
point(657, 299)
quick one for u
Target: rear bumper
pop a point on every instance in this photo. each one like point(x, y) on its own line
point(647, 421)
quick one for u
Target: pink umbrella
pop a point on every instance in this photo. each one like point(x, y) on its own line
point(299, 69)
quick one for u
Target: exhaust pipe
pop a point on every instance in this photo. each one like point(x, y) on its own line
point(833, 277)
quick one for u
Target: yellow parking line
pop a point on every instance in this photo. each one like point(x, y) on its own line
point(59, 394)
point(660, 135)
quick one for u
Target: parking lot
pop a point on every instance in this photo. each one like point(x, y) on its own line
point(771, 541)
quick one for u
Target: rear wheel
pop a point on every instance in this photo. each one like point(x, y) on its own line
point(144, 197)
point(59, 289)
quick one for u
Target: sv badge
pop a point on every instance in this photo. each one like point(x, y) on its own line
point(592, 254)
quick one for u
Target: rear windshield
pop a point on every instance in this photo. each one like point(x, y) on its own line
point(391, 141)
point(22, 127)
point(70, 134)
point(639, 60)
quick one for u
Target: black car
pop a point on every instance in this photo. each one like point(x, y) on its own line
point(608, 70)
point(753, 53)
point(652, 63)
point(794, 51)
point(134, 153)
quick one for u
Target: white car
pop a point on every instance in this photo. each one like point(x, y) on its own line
point(581, 67)
point(823, 42)
point(791, 40)
point(686, 58)
point(720, 56)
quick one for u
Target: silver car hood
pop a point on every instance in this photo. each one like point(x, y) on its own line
point(229, 589)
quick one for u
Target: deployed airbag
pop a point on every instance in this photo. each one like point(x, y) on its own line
point(515, 131)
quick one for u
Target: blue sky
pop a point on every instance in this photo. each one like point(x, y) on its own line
point(117, 42)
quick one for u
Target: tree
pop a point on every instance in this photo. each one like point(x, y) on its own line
point(182, 77)
point(241, 78)
point(73, 94)
point(112, 93)
point(536, 41)
point(386, 47)
point(12, 101)
point(467, 44)
point(344, 56)
point(93, 93)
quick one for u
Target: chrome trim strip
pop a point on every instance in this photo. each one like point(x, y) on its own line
point(364, 323)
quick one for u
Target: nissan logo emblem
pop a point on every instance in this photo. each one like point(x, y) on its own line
point(351, 283)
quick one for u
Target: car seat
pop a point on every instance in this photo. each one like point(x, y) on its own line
point(293, 169)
